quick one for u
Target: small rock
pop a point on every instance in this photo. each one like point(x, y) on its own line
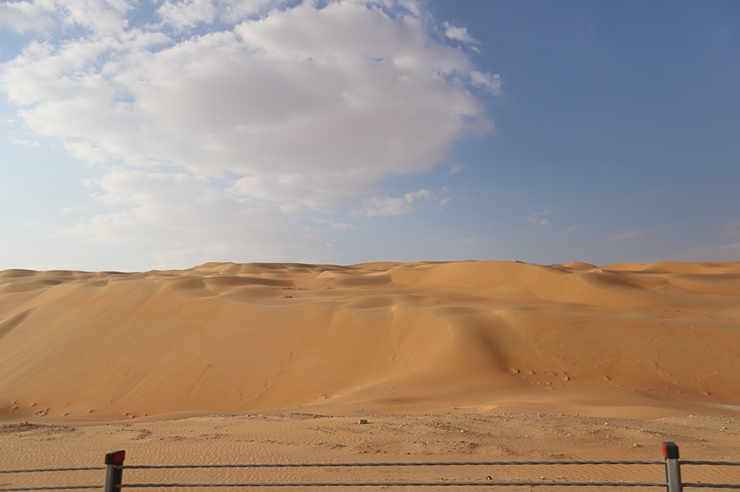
point(362, 421)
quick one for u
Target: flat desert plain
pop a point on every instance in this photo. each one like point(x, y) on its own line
point(239, 363)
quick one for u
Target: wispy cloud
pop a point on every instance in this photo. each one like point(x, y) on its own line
point(731, 229)
point(456, 168)
point(462, 240)
point(332, 224)
point(27, 143)
point(724, 252)
point(380, 206)
point(539, 218)
point(179, 214)
point(492, 82)
point(458, 33)
point(633, 234)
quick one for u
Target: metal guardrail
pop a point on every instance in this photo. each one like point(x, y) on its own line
point(115, 465)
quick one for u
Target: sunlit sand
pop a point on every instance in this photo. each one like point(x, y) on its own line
point(253, 362)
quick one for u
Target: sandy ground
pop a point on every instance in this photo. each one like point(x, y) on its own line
point(462, 360)
point(312, 438)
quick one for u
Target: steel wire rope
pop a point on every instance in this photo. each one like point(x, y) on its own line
point(52, 487)
point(400, 463)
point(37, 470)
point(712, 485)
point(393, 484)
point(717, 463)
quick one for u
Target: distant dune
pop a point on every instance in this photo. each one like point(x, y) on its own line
point(622, 340)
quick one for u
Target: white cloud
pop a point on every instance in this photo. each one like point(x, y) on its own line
point(314, 104)
point(28, 143)
point(188, 215)
point(455, 169)
point(487, 80)
point(572, 228)
point(222, 125)
point(633, 234)
point(380, 206)
point(458, 33)
point(85, 151)
point(21, 17)
point(539, 218)
point(99, 16)
point(332, 224)
point(189, 13)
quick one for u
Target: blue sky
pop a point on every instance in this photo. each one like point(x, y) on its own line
point(138, 135)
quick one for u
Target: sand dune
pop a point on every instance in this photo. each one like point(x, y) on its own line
point(624, 340)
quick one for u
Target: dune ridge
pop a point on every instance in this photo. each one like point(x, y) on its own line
point(620, 340)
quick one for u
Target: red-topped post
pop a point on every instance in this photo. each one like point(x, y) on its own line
point(672, 466)
point(114, 470)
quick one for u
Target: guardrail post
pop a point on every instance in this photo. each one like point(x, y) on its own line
point(672, 466)
point(113, 470)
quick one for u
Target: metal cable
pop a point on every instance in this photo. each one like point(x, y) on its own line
point(34, 470)
point(719, 463)
point(712, 485)
point(401, 463)
point(52, 487)
point(392, 484)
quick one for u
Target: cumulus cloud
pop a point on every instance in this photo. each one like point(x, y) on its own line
point(380, 206)
point(189, 13)
point(98, 16)
point(259, 103)
point(25, 16)
point(302, 98)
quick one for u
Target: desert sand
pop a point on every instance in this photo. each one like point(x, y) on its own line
point(447, 360)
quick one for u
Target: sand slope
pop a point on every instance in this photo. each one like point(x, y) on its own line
point(622, 340)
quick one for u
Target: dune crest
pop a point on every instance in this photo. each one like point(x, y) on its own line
point(619, 340)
